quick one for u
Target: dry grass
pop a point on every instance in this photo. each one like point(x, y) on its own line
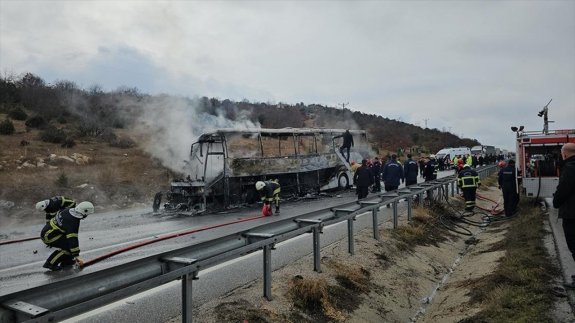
point(520, 289)
point(312, 296)
point(115, 177)
point(423, 230)
point(489, 181)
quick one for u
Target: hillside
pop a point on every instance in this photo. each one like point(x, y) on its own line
point(118, 148)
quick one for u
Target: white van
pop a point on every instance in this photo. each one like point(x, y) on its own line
point(452, 152)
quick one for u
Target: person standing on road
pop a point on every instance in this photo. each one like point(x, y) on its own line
point(362, 179)
point(410, 171)
point(508, 184)
point(53, 205)
point(376, 173)
point(468, 181)
point(430, 170)
point(269, 192)
point(347, 143)
point(62, 232)
point(392, 173)
point(564, 198)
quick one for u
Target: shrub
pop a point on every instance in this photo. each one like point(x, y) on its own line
point(35, 122)
point(68, 143)
point(6, 127)
point(62, 180)
point(62, 119)
point(122, 142)
point(17, 114)
point(53, 135)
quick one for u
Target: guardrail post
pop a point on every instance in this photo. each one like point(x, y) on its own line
point(187, 297)
point(452, 189)
point(316, 250)
point(350, 236)
point(394, 204)
point(409, 205)
point(446, 193)
point(268, 272)
point(375, 223)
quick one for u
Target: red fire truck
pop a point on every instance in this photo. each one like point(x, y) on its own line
point(539, 160)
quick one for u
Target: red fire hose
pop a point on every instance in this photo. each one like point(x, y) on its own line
point(18, 240)
point(162, 238)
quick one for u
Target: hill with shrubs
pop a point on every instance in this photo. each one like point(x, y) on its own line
point(118, 148)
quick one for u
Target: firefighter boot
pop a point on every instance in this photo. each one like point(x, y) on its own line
point(48, 265)
point(277, 210)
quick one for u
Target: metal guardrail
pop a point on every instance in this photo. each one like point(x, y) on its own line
point(70, 297)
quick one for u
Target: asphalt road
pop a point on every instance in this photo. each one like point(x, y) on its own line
point(21, 263)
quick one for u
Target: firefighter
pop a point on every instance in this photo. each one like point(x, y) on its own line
point(62, 232)
point(53, 205)
point(410, 171)
point(508, 185)
point(468, 181)
point(270, 192)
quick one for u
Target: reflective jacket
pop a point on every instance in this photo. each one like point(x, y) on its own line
point(468, 178)
point(270, 192)
point(63, 226)
point(564, 197)
point(56, 204)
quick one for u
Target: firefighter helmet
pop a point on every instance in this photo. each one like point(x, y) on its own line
point(41, 206)
point(260, 185)
point(466, 166)
point(85, 208)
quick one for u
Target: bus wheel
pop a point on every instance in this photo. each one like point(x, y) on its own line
point(157, 201)
point(343, 181)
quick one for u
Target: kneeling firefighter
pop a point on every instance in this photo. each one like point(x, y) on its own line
point(468, 181)
point(62, 232)
point(269, 192)
point(53, 205)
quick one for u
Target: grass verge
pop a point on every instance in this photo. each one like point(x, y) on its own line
point(520, 289)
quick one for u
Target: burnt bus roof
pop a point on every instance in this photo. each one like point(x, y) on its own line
point(268, 131)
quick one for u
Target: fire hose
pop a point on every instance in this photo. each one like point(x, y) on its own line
point(162, 238)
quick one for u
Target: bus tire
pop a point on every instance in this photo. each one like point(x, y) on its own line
point(343, 181)
point(157, 201)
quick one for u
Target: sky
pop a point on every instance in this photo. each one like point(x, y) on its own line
point(474, 68)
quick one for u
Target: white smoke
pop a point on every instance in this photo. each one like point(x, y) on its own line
point(169, 125)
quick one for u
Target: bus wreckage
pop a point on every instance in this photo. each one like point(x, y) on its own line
point(225, 164)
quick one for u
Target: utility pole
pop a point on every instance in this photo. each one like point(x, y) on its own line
point(425, 122)
point(343, 105)
point(544, 113)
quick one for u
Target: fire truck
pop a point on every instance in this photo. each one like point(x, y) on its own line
point(539, 160)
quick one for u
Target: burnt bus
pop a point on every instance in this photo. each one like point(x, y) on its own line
point(225, 164)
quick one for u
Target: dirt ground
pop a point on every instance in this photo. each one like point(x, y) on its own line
point(384, 281)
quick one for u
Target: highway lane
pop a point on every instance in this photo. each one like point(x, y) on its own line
point(20, 263)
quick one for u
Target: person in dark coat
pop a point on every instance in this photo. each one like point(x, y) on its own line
point(508, 184)
point(564, 198)
point(410, 171)
point(376, 173)
point(430, 170)
point(392, 173)
point(362, 179)
point(347, 143)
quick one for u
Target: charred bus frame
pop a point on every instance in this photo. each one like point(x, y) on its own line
point(225, 164)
